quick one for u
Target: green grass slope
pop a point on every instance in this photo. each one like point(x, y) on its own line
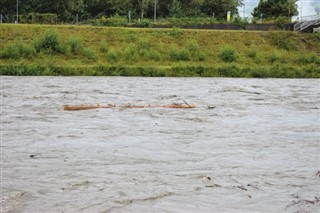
point(84, 50)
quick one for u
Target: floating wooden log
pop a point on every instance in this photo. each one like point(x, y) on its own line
point(87, 107)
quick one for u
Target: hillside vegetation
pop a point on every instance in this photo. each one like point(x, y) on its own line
point(84, 50)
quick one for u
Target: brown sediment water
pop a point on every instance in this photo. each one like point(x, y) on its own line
point(250, 145)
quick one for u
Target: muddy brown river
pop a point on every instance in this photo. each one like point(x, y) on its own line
point(256, 149)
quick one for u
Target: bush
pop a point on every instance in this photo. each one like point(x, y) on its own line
point(282, 21)
point(144, 23)
point(155, 55)
point(284, 40)
point(49, 42)
point(175, 32)
point(176, 54)
point(89, 54)
point(130, 53)
point(308, 59)
point(193, 46)
point(252, 53)
point(228, 54)
point(104, 47)
point(112, 56)
point(17, 50)
point(242, 22)
point(143, 44)
point(195, 51)
point(115, 21)
point(258, 59)
point(76, 45)
point(276, 57)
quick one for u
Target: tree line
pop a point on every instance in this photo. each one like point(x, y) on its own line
point(66, 10)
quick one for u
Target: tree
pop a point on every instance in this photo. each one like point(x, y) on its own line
point(121, 7)
point(175, 9)
point(275, 8)
point(220, 7)
point(143, 6)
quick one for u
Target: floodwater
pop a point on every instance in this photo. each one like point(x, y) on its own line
point(257, 149)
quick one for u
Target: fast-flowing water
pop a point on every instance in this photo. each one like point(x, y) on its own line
point(255, 150)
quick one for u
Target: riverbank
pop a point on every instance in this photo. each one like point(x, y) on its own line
point(106, 51)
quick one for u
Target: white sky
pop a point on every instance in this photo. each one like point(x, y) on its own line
point(305, 10)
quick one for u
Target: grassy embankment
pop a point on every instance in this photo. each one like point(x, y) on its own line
point(83, 50)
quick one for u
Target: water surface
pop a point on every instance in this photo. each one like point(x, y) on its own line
point(256, 151)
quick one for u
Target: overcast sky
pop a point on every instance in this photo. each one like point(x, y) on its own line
point(307, 9)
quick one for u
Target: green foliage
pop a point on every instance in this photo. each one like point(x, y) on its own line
point(258, 59)
point(155, 55)
point(49, 42)
point(276, 57)
point(228, 54)
point(89, 54)
point(112, 56)
point(311, 58)
point(130, 53)
point(17, 50)
point(177, 54)
point(275, 8)
point(176, 32)
point(284, 40)
point(184, 22)
point(195, 50)
point(76, 45)
point(66, 10)
point(144, 23)
point(39, 18)
point(144, 44)
point(114, 21)
point(282, 21)
point(252, 53)
point(241, 22)
point(104, 47)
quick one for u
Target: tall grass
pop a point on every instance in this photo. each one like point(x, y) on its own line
point(17, 50)
point(228, 54)
point(76, 45)
point(49, 42)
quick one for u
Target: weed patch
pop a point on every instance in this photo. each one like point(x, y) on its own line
point(228, 54)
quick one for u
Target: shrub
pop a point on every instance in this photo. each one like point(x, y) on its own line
point(76, 45)
point(193, 46)
point(50, 42)
point(89, 54)
point(176, 54)
point(143, 44)
point(145, 23)
point(130, 53)
point(115, 21)
point(258, 59)
point(195, 51)
point(276, 57)
point(252, 53)
point(175, 32)
point(10, 51)
point(155, 55)
point(284, 40)
point(228, 54)
point(231, 70)
point(282, 21)
point(112, 56)
point(17, 50)
point(308, 59)
point(242, 22)
point(104, 47)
